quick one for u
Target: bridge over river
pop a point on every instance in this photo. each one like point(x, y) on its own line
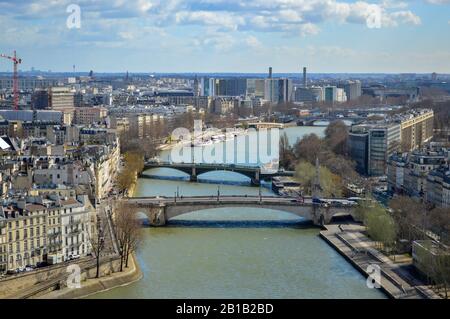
point(255, 173)
point(159, 210)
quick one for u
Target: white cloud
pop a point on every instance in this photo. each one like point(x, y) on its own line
point(125, 21)
point(219, 19)
point(438, 1)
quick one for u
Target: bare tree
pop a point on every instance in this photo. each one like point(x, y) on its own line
point(128, 233)
point(97, 241)
point(336, 136)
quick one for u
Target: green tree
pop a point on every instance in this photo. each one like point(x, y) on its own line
point(330, 183)
point(380, 225)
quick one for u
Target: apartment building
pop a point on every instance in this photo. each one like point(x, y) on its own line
point(36, 229)
point(408, 172)
point(416, 128)
point(89, 115)
point(438, 186)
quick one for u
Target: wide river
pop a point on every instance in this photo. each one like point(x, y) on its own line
point(229, 253)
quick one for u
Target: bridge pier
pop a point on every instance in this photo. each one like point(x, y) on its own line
point(321, 215)
point(157, 215)
point(256, 181)
point(193, 177)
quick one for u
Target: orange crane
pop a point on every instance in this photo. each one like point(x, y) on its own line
point(16, 61)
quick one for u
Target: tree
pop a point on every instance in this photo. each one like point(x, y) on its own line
point(287, 157)
point(336, 136)
point(309, 148)
point(380, 225)
point(439, 223)
point(330, 183)
point(128, 233)
point(409, 216)
point(97, 242)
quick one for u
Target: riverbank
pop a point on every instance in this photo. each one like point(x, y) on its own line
point(395, 280)
point(96, 285)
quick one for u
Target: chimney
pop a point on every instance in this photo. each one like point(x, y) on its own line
point(304, 77)
point(270, 72)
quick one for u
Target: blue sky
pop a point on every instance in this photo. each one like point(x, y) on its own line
point(229, 35)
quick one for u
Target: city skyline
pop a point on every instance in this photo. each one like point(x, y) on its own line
point(328, 36)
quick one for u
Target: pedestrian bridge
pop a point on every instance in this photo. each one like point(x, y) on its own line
point(159, 210)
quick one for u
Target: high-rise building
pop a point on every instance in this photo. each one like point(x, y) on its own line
point(278, 90)
point(40, 100)
point(370, 145)
point(309, 94)
point(270, 72)
point(197, 87)
point(256, 88)
point(62, 99)
point(352, 89)
point(334, 94)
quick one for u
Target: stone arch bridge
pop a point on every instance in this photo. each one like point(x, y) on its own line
point(255, 173)
point(159, 210)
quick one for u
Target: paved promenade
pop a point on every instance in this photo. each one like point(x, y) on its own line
point(396, 282)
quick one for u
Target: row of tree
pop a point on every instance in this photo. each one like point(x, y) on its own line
point(408, 220)
point(133, 166)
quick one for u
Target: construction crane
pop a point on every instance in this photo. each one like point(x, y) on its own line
point(16, 61)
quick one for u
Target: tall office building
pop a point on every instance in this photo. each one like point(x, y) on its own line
point(278, 90)
point(62, 99)
point(352, 89)
point(270, 72)
point(256, 88)
point(40, 99)
point(197, 87)
point(309, 94)
point(370, 145)
point(334, 94)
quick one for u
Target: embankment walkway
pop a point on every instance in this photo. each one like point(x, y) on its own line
point(356, 247)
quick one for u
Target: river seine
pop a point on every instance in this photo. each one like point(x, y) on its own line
point(226, 253)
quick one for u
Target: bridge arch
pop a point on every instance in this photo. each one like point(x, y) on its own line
point(262, 212)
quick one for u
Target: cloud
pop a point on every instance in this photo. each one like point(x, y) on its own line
point(438, 1)
point(126, 21)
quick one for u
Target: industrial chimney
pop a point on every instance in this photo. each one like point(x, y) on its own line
point(304, 77)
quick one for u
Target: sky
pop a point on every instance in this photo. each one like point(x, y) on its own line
point(327, 36)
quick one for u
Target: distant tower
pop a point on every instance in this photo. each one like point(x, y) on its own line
point(304, 77)
point(91, 74)
point(270, 72)
point(127, 77)
point(434, 76)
